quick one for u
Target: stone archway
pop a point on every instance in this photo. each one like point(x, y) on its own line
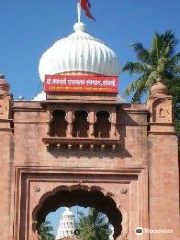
point(83, 195)
point(115, 194)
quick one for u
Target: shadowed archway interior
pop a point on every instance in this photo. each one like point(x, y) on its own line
point(81, 197)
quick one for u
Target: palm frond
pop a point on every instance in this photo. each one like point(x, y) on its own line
point(136, 67)
point(94, 226)
point(138, 94)
point(151, 79)
point(175, 59)
point(137, 84)
point(169, 41)
point(45, 231)
point(143, 54)
point(155, 47)
point(163, 45)
point(175, 69)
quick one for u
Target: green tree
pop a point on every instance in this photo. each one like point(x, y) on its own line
point(45, 231)
point(160, 61)
point(94, 226)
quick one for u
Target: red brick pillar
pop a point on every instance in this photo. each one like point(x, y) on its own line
point(163, 166)
point(6, 154)
point(113, 121)
point(69, 119)
point(91, 120)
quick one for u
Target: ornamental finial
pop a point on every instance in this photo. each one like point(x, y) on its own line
point(79, 11)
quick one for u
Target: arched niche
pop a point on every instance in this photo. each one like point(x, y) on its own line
point(86, 197)
point(102, 125)
point(161, 111)
point(80, 124)
point(58, 124)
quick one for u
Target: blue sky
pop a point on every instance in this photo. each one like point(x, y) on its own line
point(29, 27)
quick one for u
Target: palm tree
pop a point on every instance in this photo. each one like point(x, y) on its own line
point(45, 231)
point(94, 226)
point(158, 62)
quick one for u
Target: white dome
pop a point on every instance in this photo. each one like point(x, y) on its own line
point(79, 52)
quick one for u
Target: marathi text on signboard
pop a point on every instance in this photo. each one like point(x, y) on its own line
point(76, 83)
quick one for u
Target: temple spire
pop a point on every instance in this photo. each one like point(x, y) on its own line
point(66, 225)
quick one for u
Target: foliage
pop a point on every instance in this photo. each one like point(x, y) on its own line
point(160, 61)
point(45, 231)
point(94, 226)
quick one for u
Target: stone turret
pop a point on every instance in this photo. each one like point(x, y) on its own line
point(161, 108)
point(6, 158)
point(5, 104)
point(163, 161)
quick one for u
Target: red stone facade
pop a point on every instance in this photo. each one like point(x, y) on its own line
point(120, 158)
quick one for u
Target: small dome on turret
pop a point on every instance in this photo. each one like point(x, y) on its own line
point(159, 88)
point(79, 52)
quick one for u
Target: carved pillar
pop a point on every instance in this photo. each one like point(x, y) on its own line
point(69, 119)
point(91, 120)
point(49, 119)
point(113, 121)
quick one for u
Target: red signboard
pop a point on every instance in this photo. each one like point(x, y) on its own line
point(72, 83)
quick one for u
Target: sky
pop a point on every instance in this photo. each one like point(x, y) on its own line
point(29, 27)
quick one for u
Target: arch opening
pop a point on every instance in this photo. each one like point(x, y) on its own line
point(80, 124)
point(81, 197)
point(58, 125)
point(102, 125)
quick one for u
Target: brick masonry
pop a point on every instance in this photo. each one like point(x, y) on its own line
point(140, 176)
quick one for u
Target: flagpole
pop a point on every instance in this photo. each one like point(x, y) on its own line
point(79, 11)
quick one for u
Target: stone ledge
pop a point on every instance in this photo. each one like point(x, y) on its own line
point(80, 142)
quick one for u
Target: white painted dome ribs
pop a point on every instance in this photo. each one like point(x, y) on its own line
point(79, 52)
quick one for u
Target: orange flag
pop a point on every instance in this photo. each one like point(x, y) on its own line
point(86, 6)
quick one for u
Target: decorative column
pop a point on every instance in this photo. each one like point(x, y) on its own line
point(113, 121)
point(49, 119)
point(91, 120)
point(69, 119)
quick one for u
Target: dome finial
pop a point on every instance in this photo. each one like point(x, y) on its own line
point(79, 27)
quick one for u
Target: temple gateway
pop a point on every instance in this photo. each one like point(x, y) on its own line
point(77, 143)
